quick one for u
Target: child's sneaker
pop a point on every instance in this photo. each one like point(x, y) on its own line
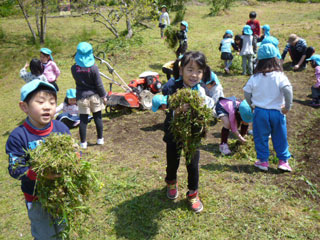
point(315, 103)
point(194, 201)
point(284, 166)
point(84, 145)
point(172, 191)
point(224, 149)
point(261, 165)
point(227, 70)
point(100, 141)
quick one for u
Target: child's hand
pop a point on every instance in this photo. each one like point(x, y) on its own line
point(296, 67)
point(184, 108)
point(242, 139)
point(26, 65)
point(105, 100)
point(284, 110)
point(52, 176)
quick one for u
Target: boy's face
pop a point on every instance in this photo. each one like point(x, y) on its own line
point(40, 109)
point(191, 74)
point(182, 27)
point(72, 101)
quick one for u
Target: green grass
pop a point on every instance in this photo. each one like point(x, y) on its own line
point(240, 203)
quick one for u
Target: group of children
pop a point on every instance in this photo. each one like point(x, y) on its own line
point(268, 98)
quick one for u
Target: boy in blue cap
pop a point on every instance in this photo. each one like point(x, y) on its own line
point(269, 92)
point(159, 102)
point(38, 101)
point(315, 89)
point(183, 38)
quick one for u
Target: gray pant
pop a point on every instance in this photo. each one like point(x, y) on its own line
point(43, 226)
point(247, 60)
point(227, 63)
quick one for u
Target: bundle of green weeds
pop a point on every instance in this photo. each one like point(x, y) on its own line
point(171, 36)
point(188, 128)
point(66, 196)
point(243, 150)
point(236, 64)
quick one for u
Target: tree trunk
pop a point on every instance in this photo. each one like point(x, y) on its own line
point(129, 28)
point(42, 20)
point(26, 17)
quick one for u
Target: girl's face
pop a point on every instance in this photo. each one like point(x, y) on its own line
point(182, 27)
point(237, 42)
point(163, 10)
point(72, 101)
point(44, 58)
point(191, 74)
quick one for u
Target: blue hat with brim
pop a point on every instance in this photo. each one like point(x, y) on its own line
point(267, 50)
point(33, 85)
point(71, 93)
point(184, 23)
point(274, 41)
point(213, 78)
point(247, 30)
point(157, 101)
point(47, 51)
point(266, 29)
point(316, 58)
point(229, 32)
point(84, 56)
point(245, 112)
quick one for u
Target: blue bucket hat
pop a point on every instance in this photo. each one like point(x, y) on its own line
point(229, 32)
point(266, 29)
point(274, 41)
point(184, 23)
point(245, 112)
point(47, 51)
point(247, 30)
point(71, 93)
point(213, 78)
point(84, 56)
point(316, 58)
point(267, 50)
point(157, 101)
point(33, 85)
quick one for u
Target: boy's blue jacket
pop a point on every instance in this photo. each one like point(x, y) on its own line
point(22, 139)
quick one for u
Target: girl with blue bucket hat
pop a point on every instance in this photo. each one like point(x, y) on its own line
point(269, 92)
point(225, 49)
point(246, 51)
point(91, 95)
point(233, 113)
point(51, 70)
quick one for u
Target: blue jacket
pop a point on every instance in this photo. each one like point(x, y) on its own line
point(21, 139)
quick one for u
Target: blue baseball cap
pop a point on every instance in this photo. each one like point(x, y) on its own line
point(84, 56)
point(316, 58)
point(157, 101)
point(213, 78)
point(47, 51)
point(267, 50)
point(247, 30)
point(33, 85)
point(71, 93)
point(229, 32)
point(184, 23)
point(245, 112)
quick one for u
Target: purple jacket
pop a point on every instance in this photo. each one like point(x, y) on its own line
point(51, 71)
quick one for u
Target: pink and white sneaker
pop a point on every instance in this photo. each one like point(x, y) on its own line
point(261, 165)
point(224, 149)
point(284, 166)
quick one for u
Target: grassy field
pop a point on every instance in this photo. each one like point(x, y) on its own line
point(239, 201)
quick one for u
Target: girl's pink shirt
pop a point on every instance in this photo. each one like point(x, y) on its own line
point(228, 106)
point(51, 71)
point(317, 72)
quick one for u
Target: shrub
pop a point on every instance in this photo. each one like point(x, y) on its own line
point(171, 36)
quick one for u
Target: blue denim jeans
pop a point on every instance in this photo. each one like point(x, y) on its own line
point(43, 226)
point(266, 122)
